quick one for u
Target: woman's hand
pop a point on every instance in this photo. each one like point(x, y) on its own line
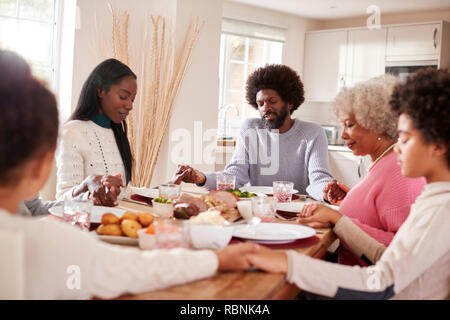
point(98, 192)
point(317, 215)
point(335, 192)
point(272, 261)
point(187, 174)
point(234, 257)
point(113, 183)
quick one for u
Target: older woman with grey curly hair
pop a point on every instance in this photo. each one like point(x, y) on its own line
point(380, 203)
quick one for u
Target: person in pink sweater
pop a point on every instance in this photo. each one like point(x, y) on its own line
point(381, 202)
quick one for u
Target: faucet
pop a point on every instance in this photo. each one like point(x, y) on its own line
point(224, 109)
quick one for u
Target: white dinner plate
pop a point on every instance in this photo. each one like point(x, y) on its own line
point(119, 240)
point(261, 189)
point(272, 233)
point(154, 192)
point(290, 206)
point(96, 214)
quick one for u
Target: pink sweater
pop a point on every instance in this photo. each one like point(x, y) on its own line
point(379, 204)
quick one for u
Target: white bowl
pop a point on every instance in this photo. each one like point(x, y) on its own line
point(245, 209)
point(164, 210)
point(209, 236)
point(146, 241)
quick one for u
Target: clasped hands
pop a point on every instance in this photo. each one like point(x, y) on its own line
point(103, 190)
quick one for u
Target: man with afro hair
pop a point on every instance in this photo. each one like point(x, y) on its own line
point(275, 147)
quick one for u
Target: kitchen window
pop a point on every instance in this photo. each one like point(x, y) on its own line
point(245, 46)
point(29, 28)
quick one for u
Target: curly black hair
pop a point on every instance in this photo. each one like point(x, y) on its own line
point(284, 80)
point(29, 121)
point(425, 98)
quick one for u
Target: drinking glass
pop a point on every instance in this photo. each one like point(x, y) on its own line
point(169, 191)
point(282, 191)
point(263, 207)
point(78, 212)
point(225, 181)
point(172, 234)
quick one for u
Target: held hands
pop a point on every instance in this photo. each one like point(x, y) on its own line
point(103, 190)
point(187, 174)
point(335, 192)
point(240, 257)
point(317, 215)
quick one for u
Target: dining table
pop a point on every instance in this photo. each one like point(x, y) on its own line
point(252, 284)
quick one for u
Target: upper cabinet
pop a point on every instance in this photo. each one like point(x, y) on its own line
point(324, 64)
point(342, 57)
point(366, 50)
point(416, 42)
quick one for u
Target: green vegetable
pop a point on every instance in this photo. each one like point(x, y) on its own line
point(241, 194)
point(162, 200)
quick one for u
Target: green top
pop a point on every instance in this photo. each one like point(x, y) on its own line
point(102, 120)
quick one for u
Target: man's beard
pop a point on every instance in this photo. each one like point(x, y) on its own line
point(279, 118)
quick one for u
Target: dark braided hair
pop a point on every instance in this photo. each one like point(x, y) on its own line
point(284, 80)
point(425, 98)
point(29, 117)
point(106, 74)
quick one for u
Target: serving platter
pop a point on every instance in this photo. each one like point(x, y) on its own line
point(119, 240)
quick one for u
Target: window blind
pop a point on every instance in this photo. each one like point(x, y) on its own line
point(253, 30)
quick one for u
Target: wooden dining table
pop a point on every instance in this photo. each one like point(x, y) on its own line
point(247, 285)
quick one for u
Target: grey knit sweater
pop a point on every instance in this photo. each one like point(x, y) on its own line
point(299, 155)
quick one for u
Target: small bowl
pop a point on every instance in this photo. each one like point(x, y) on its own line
point(146, 241)
point(209, 236)
point(164, 210)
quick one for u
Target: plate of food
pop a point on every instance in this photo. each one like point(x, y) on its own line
point(96, 214)
point(273, 233)
point(243, 195)
point(261, 189)
point(123, 229)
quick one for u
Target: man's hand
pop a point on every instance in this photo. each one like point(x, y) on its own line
point(187, 174)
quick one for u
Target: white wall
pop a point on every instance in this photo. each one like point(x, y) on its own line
point(198, 96)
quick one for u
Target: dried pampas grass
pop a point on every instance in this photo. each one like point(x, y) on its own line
point(160, 72)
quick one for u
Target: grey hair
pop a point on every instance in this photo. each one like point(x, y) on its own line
point(368, 101)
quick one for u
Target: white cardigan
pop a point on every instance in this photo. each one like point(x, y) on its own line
point(63, 262)
point(85, 149)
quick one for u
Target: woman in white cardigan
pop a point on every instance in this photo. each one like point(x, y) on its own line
point(61, 261)
point(94, 145)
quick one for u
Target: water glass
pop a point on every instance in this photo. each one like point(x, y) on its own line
point(78, 212)
point(172, 234)
point(282, 191)
point(264, 208)
point(225, 181)
point(169, 191)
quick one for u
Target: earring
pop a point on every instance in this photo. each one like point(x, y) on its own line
point(379, 138)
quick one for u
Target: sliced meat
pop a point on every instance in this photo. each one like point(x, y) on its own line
point(229, 198)
point(199, 203)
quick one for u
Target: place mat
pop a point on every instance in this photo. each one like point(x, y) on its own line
point(138, 197)
point(300, 243)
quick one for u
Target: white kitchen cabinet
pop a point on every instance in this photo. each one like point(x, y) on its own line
point(348, 168)
point(366, 53)
point(324, 64)
point(414, 42)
